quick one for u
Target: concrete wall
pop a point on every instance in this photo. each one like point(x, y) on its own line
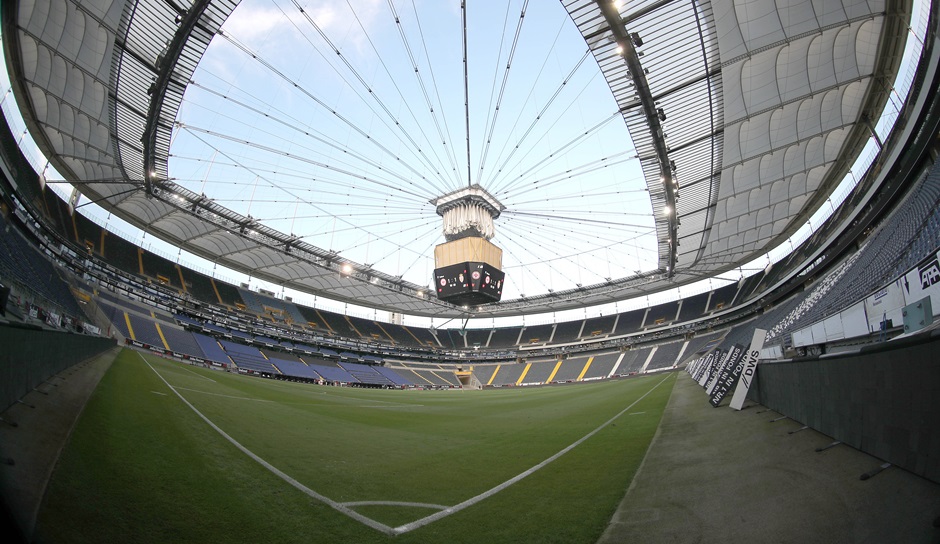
point(31, 356)
point(884, 400)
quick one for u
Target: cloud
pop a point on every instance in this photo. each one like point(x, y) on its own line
point(274, 25)
point(253, 24)
point(257, 23)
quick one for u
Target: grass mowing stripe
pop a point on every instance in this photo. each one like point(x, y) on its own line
point(251, 399)
point(294, 483)
point(289, 386)
point(473, 500)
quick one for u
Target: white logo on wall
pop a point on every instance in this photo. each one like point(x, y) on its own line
point(929, 273)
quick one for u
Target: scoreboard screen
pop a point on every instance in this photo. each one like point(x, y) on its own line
point(469, 283)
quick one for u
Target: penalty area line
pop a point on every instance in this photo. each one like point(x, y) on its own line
point(381, 527)
point(397, 503)
point(489, 493)
point(197, 374)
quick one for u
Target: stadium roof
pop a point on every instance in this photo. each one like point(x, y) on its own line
point(744, 115)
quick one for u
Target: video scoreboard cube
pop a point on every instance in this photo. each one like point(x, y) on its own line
point(469, 283)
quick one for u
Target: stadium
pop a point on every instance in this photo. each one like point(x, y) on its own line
point(426, 271)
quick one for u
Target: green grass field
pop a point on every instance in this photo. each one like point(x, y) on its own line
point(143, 466)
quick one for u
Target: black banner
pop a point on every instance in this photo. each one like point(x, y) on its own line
point(713, 371)
point(694, 367)
point(703, 367)
point(729, 374)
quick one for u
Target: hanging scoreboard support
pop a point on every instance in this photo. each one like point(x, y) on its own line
point(749, 369)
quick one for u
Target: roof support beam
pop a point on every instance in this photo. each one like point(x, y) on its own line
point(165, 65)
point(632, 17)
point(632, 60)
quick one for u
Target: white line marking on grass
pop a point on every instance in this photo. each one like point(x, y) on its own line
point(396, 503)
point(158, 393)
point(384, 407)
point(369, 522)
point(635, 413)
point(198, 374)
point(486, 494)
point(381, 527)
point(200, 391)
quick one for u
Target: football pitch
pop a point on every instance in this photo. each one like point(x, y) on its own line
point(166, 452)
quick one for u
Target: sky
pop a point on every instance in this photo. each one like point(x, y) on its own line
point(357, 122)
point(357, 118)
